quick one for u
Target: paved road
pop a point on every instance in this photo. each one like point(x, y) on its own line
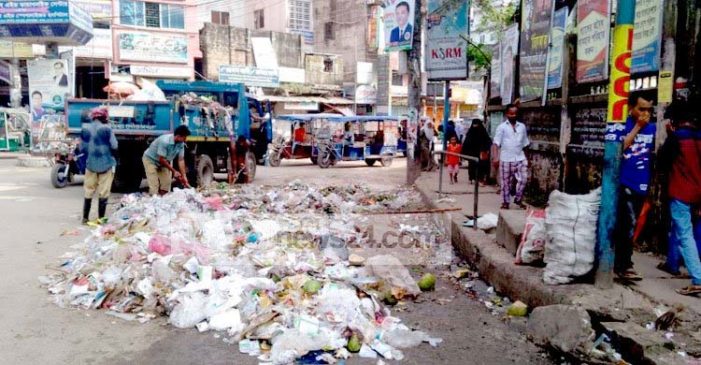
point(34, 215)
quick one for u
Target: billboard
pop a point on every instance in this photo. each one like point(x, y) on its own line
point(57, 20)
point(533, 55)
point(646, 36)
point(249, 76)
point(557, 34)
point(50, 83)
point(495, 74)
point(399, 24)
point(148, 47)
point(593, 31)
point(509, 51)
point(446, 49)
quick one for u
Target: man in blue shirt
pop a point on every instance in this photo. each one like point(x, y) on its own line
point(100, 144)
point(158, 157)
point(638, 145)
point(401, 34)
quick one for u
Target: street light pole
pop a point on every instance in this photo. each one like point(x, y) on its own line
point(619, 88)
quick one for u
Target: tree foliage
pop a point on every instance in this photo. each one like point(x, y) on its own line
point(495, 15)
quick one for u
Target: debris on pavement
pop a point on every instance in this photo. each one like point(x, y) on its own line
point(270, 267)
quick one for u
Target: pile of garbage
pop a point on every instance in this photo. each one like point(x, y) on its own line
point(271, 267)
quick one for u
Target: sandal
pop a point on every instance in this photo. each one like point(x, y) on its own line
point(690, 290)
point(662, 266)
point(629, 275)
point(505, 206)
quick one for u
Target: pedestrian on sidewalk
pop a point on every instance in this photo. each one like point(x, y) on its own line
point(638, 144)
point(681, 155)
point(158, 158)
point(452, 161)
point(100, 144)
point(512, 140)
point(426, 136)
point(477, 144)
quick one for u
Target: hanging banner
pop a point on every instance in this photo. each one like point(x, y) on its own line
point(535, 27)
point(446, 49)
point(399, 24)
point(593, 31)
point(49, 85)
point(495, 74)
point(509, 50)
point(646, 36)
point(557, 34)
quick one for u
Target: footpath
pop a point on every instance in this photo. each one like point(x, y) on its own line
point(624, 313)
point(25, 159)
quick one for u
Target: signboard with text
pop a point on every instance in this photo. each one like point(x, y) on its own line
point(535, 32)
point(57, 21)
point(249, 76)
point(646, 36)
point(148, 47)
point(446, 46)
point(555, 54)
point(593, 30)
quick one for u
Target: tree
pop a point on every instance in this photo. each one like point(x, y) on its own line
point(495, 16)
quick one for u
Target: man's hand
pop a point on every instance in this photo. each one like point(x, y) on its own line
point(177, 175)
point(643, 120)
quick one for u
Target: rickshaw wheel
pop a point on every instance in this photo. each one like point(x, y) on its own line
point(386, 161)
point(275, 159)
point(370, 161)
point(325, 161)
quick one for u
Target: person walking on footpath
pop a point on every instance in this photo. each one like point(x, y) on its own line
point(681, 154)
point(512, 140)
point(452, 161)
point(157, 161)
point(638, 145)
point(100, 144)
point(477, 144)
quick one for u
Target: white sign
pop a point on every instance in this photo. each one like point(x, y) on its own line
point(250, 76)
point(292, 75)
point(446, 49)
point(117, 111)
point(99, 47)
point(364, 73)
point(153, 48)
point(303, 105)
point(264, 53)
point(158, 71)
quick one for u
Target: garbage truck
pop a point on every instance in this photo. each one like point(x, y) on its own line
point(214, 112)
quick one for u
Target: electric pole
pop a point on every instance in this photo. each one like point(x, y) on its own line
point(413, 168)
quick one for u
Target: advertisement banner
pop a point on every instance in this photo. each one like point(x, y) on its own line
point(250, 76)
point(399, 24)
point(446, 49)
point(59, 19)
point(509, 51)
point(495, 74)
point(49, 86)
point(557, 34)
point(149, 47)
point(593, 31)
point(535, 28)
point(34, 12)
point(646, 36)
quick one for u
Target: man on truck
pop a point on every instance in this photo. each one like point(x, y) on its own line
point(158, 157)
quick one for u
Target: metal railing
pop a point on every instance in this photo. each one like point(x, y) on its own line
point(476, 191)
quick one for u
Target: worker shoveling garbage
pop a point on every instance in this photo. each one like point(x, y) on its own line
point(249, 262)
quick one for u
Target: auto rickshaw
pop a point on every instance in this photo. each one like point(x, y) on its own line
point(293, 137)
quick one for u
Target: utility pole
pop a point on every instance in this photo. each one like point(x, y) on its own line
point(619, 89)
point(413, 169)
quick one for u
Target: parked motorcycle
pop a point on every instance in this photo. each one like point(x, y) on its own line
point(66, 165)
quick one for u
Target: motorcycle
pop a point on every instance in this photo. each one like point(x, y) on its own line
point(67, 164)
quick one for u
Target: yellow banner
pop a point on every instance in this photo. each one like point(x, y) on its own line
point(620, 73)
point(9, 49)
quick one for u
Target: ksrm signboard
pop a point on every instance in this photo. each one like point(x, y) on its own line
point(446, 48)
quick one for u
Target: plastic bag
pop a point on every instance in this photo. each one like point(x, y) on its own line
point(189, 311)
point(487, 221)
point(391, 270)
point(532, 246)
point(570, 222)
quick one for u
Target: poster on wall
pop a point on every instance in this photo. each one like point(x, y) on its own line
point(50, 83)
point(535, 29)
point(399, 24)
point(148, 47)
point(593, 32)
point(557, 33)
point(446, 46)
point(646, 36)
point(495, 72)
point(509, 50)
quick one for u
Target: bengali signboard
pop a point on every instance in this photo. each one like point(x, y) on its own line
point(148, 47)
point(399, 24)
point(646, 36)
point(509, 50)
point(557, 34)
point(161, 72)
point(58, 21)
point(593, 31)
point(446, 47)
point(250, 76)
point(535, 31)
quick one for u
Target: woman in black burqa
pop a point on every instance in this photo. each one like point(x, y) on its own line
point(477, 144)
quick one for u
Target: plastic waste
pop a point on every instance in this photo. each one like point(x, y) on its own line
point(532, 246)
point(391, 270)
point(189, 311)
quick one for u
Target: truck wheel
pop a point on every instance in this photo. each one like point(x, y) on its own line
point(205, 171)
point(251, 166)
point(59, 178)
point(370, 161)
